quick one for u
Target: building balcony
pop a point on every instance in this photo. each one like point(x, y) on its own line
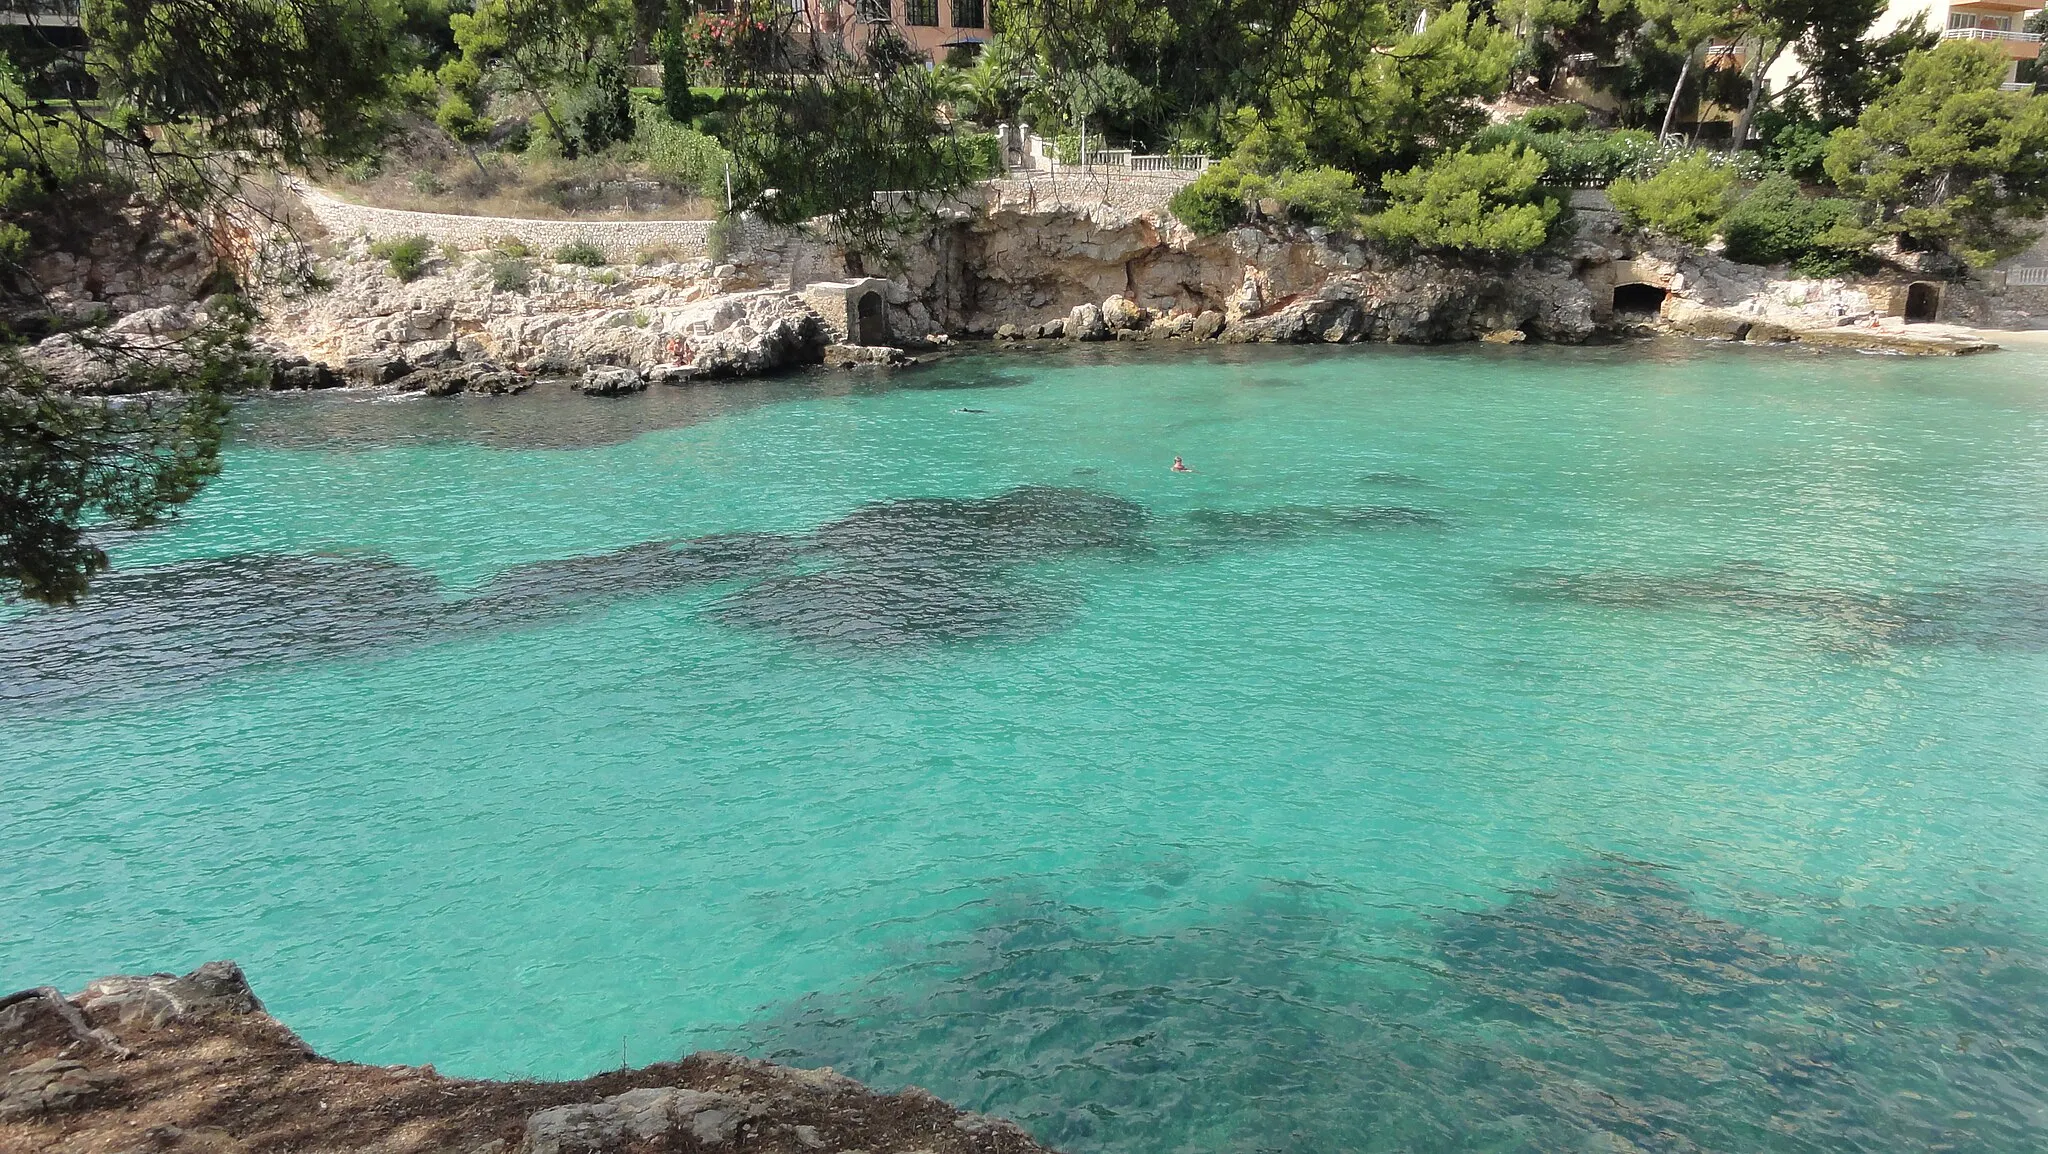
point(2015, 45)
point(1726, 56)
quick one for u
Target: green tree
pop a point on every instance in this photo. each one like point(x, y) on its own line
point(1844, 67)
point(825, 142)
point(542, 47)
point(191, 93)
point(599, 112)
point(1481, 202)
point(1192, 61)
point(291, 79)
point(995, 82)
point(1948, 160)
point(1685, 199)
point(1367, 98)
point(1687, 27)
point(464, 125)
point(69, 464)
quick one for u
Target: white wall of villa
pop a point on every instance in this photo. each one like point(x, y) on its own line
point(1999, 22)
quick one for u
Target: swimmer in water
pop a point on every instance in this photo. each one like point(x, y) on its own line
point(1180, 466)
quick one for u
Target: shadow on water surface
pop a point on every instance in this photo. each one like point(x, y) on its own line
point(1605, 1011)
point(2007, 614)
point(887, 576)
point(551, 415)
point(548, 416)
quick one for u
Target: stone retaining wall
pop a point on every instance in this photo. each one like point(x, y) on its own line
point(620, 239)
point(1079, 190)
point(1073, 190)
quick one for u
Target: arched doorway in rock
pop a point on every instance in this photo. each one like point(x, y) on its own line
point(1923, 301)
point(871, 320)
point(1638, 299)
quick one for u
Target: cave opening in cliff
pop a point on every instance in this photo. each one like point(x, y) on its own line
point(1639, 299)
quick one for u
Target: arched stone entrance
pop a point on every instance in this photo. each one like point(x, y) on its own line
point(1639, 299)
point(871, 320)
point(1923, 301)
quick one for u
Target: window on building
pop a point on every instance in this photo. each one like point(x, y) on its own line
point(871, 11)
point(969, 14)
point(924, 13)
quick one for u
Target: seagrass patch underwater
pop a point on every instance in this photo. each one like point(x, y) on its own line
point(1481, 749)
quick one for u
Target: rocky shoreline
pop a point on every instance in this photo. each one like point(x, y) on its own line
point(998, 271)
point(194, 1064)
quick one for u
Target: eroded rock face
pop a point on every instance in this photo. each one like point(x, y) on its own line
point(1055, 273)
point(1006, 270)
point(126, 260)
point(566, 320)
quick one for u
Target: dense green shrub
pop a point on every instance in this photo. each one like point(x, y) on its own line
point(580, 252)
point(1221, 197)
point(1555, 118)
point(599, 113)
point(682, 102)
point(1486, 202)
point(1685, 199)
point(1213, 202)
point(719, 237)
point(407, 255)
point(461, 121)
point(1589, 156)
point(984, 152)
point(709, 109)
point(1777, 224)
point(1326, 196)
point(510, 274)
point(510, 246)
point(683, 156)
point(1794, 142)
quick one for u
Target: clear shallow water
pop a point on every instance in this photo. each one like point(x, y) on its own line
point(1525, 749)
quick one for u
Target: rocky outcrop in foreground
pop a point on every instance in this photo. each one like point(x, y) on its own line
point(193, 1063)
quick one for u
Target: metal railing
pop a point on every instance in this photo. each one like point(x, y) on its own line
point(2027, 276)
point(1990, 34)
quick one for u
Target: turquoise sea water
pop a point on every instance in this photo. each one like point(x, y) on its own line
point(1527, 749)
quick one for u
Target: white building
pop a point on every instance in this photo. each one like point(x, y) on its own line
point(1999, 22)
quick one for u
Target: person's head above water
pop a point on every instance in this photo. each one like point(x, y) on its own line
point(1180, 467)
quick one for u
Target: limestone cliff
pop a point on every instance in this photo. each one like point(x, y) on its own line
point(471, 320)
